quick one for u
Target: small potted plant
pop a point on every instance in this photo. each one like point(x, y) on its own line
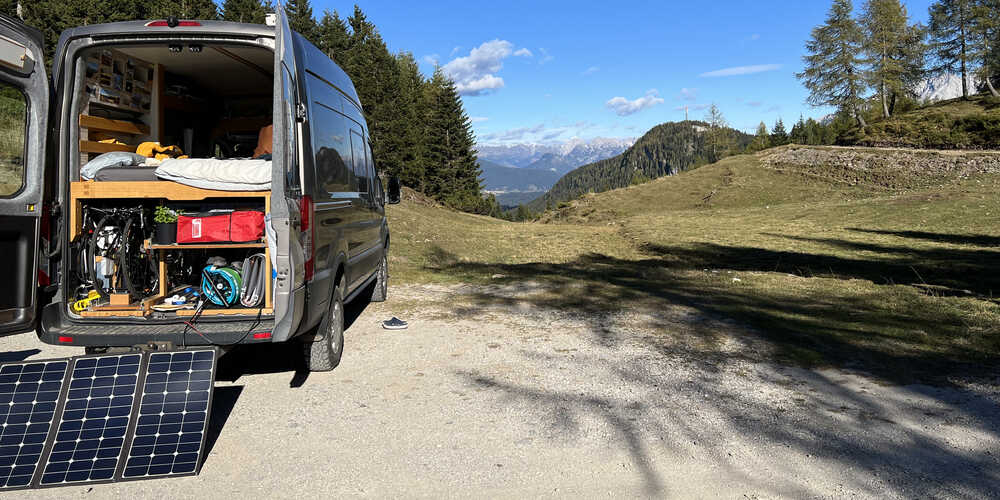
point(166, 225)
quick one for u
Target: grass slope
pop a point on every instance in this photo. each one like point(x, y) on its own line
point(952, 124)
point(886, 272)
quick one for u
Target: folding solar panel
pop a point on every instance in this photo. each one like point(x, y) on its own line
point(173, 415)
point(95, 420)
point(29, 394)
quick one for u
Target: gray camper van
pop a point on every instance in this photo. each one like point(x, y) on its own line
point(147, 121)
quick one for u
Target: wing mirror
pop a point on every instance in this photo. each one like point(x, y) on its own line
point(392, 196)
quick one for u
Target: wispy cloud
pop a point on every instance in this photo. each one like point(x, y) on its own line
point(773, 109)
point(688, 94)
point(455, 51)
point(591, 70)
point(755, 104)
point(478, 119)
point(475, 74)
point(432, 59)
point(741, 70)
point(523, 52)
point(546, 57)
point(624, 107)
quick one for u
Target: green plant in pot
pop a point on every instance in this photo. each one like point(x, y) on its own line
point(166, 225)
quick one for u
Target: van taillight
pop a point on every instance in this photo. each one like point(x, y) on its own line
point(162, 24)
point(308, 233)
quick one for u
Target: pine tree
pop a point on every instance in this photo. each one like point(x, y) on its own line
point(761, 140)
point(833, 73)
point(893, 49)
point(409, 111)
point(453, 172)
point(986, 30)
point(300, 19)
point(245, 11)
point(332, 37)
point(183, 9)
point(779, 136)
point(798, 133)
point(951, 34)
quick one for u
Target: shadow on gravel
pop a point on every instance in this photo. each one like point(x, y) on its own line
point(223, 402)
point(769, 419)
point(15, 356)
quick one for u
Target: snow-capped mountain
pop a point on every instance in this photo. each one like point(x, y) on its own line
point(943, 87)
point(560, 157)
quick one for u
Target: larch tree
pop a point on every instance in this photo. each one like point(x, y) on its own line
point(717, 140)
point(761, 140)
point(986, 30)
point(951, 33)
point(893, 50)
point(833, 72)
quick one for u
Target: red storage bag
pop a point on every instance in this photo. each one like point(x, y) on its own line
point(203, 228)
point(246, 225)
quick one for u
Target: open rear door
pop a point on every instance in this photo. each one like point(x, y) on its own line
point(286, 184)
point(24, 109)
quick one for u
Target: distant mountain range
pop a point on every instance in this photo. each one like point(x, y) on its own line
point(562, 157)
point(943, 87)
point(667, 149)
point(503, 179)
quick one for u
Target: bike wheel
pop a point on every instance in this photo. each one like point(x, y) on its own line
point(136, 264)
point(93, 252)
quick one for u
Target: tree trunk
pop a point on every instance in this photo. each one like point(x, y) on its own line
point(989, 84)
point(965, 83)
point(885, 102)
point(859, 118)
point(892, 104)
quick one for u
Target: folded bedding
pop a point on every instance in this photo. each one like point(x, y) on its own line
point(108, 160)
point(140, 173)
point(223, 175)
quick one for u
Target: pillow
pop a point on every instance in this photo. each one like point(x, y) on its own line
point(112, 159)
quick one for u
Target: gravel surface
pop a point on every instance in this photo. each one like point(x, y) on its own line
point(513, 402)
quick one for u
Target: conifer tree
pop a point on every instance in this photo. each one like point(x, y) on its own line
point(798, 133)
point(245, 11)
point(184, 9)
point(453, 172)
point(986, 29)
point(333, 38)
point(893, 49)
point(718, 139)
point(779, 136)
point(300, 19)
point(761, 139)
point(950, 30)
point(833, 73)
point(409, 111)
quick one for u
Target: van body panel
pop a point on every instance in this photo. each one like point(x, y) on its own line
point(22, 69)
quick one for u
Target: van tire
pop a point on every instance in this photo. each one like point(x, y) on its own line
point(324, 355)
point(381, 289)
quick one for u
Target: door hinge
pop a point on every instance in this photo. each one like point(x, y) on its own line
point(300, 112)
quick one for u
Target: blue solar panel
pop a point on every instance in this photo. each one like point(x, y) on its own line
point(94, 423)
point(173, 415)
point(29, 393)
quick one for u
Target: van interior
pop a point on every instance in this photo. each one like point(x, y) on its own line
point(172, 182)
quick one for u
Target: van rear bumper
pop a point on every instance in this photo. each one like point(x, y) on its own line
point(55, 329)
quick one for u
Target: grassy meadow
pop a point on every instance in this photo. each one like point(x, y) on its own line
point(874, 269)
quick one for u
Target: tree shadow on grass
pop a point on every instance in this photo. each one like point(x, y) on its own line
point(896, 336)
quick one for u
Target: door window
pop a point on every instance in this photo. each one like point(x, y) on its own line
point(292, 181)
point(360, 162)
point(13, 126)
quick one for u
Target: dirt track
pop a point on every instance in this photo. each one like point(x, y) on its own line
point(511, 401)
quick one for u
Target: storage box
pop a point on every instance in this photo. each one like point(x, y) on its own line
point(214, 227)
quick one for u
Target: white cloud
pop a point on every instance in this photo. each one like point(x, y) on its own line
point(432, 59)
point(591, 70)
point(478, 119)
point(523, 52)
point(475, 74)
point(455, 50)
point(688, 94)
point(741, 70)
point(624, 107)
point(545, 56)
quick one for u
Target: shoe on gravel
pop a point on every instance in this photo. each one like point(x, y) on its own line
point(395, 324)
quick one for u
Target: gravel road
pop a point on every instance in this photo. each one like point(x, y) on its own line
point(511, 401)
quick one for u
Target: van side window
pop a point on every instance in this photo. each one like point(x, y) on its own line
point(332, 149)
point(13, 120)
point(292, 181)
point(360, 161)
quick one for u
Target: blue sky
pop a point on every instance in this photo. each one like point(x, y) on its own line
point(554, 70)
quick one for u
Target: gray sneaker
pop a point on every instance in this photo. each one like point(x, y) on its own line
point(395, 324)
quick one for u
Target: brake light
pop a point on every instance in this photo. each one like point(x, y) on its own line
point(66, 340)
point(262, 335)
point(164, 24)
point(308, 233)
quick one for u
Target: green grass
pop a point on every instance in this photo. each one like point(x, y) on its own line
point(895, 277)
point(953, 124)
point(12, 121)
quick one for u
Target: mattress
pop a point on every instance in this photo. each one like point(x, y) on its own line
point(126, 174)
point(223, 175)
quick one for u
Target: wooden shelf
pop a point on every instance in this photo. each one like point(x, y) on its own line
point(202, 246)
point(235, 311)
point(109, 125)
point(153, 189)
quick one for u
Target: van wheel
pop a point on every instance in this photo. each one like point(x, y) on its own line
point(324, 355)
point(381, 289)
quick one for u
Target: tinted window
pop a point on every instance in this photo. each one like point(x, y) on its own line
point(331, 145)
point(360, 161)
point(291, 152)
point(13, 121)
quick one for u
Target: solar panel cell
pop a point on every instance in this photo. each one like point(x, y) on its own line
point(28, 396)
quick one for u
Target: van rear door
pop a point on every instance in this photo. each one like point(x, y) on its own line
point(24, 109)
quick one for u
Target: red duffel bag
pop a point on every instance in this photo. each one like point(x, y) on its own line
point(214, 227)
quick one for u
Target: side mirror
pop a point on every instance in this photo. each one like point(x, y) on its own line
point(392, 196)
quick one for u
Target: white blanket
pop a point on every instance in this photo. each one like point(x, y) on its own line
point(224, 175)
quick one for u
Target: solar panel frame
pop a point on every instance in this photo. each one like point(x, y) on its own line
point(139, 435)
point(76, 413)
point(55, 381)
